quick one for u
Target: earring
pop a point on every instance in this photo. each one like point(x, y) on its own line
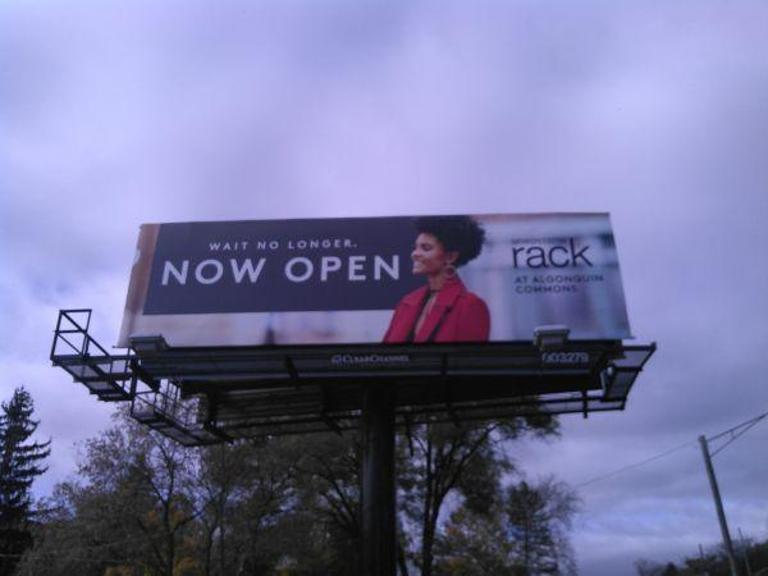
point(449, 270)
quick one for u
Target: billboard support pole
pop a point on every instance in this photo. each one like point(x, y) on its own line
point(378, 480)
point(719, 507)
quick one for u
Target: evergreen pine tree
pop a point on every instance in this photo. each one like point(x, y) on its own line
point(20, 463)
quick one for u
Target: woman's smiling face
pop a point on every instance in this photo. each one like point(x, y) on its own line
point(429, 256)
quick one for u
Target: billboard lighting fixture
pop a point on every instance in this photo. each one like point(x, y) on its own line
point(550, 337)
point(148, 344)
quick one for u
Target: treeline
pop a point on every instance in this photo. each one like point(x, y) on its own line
point(141, 504)
point(751, 559)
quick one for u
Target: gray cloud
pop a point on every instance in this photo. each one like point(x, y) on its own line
point(129, 112)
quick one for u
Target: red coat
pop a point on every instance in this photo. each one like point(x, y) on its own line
point(457, 315)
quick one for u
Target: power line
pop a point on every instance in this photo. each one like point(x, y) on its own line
point(736, 432)
point(636, 464)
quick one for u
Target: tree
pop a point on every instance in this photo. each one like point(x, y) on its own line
point(474, 544)
point(146, 479)
point(222, 472)
point(649, 568)
point(437, 460)
point(246, 489)
point(525, 535)
point(20, 463)
point(143, 505)
point(712, 560)
point(328, 483)
point(133, 511)
point(539, 517)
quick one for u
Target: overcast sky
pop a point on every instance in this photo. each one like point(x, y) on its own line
point(117, 113)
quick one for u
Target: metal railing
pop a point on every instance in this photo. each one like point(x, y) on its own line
point(120, 378)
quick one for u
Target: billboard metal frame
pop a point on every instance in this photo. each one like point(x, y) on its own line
point(209, 395)
point(201, 396)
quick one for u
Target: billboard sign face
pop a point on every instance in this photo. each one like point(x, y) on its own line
point(372, 280)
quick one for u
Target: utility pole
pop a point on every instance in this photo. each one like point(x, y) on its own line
point(719, 506)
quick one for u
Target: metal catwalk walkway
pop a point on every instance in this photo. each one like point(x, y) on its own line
point(207, 395)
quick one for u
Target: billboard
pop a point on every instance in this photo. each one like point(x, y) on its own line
point(426, 279)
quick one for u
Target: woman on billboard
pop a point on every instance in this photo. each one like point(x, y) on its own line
point(443, 310)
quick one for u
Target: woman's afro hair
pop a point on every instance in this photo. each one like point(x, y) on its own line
point(456, 233)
